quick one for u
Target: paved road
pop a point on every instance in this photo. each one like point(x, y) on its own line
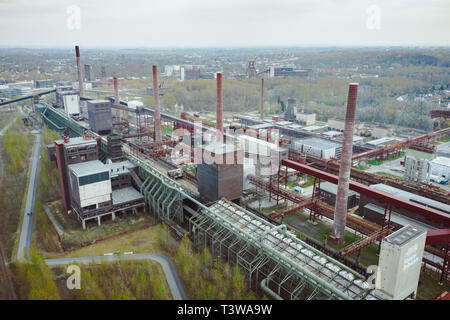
point(27, 223)
point(173, 281)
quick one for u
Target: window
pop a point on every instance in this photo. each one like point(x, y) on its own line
point(93, 178)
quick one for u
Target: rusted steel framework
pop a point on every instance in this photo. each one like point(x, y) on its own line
point(440, 114)
point(340, 214)
point(273, 259)
point(412, 207)
point(332, 166)
point(382, 152)
point(441, 237)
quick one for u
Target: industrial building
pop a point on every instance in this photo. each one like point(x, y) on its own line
point(440, 167)
point(328, 194)
point(417, 165)
point(45, 83)
point(100, 116)
point(99, 189)
point(374, 210)
point(221, 172)
point(318, 147)
point(88, 72)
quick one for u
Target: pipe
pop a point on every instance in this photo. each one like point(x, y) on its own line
point(270, 292)
point(261, 107)
point(80, 71)
point(219, 111)
point(340, 215)
point(157, 114)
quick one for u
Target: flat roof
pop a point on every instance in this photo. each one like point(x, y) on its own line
point(77, 141)
point(332, 133)
point(312, 128)
point(412, 197)
point(383, 140)
point(124, 195)
point(99, 101)
point(319, 143)
point(332, 188)
point(400, 218)
point(261, 126)
point(402, 236)
point(443, 161)
point(87, 168)
point(120, 167)
point(219, 148)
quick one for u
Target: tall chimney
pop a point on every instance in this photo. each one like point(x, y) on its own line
point(116, 91)
point(219, 111)
point(80, 71)
point(157, 114)
point(261, 106)
point(340, 214)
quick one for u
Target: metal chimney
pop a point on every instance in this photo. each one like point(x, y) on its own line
point(340, 214)
point(157, 114)
point(80, 71)
point(219, 111)
point(261, 106)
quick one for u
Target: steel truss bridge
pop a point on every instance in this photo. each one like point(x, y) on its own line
point(273, 258)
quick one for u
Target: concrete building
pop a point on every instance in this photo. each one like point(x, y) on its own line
point(417, 167)
point(220, 174)
point(88, 72)
point(336, 125)
point(305, 119)
point(70, 151)
point(381, 142)
point(400, 263)
point(100, 116)
point(287, 72)
point(328, 192)
point(71, 104)
point(45, 83)
point(318, 147)
point(373, 210)
point(440, 167)
point(99, 189)
point(289, 114)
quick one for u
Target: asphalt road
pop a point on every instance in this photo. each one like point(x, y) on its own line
point(170, 273)
point(27, 222)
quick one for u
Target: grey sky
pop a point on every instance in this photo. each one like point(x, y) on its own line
point(199, 23)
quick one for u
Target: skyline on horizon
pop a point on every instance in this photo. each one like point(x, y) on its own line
point(216, 24)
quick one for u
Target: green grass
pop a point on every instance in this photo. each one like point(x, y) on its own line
point(389, 158)
point(390, 175)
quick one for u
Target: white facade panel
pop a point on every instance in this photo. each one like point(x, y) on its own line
point(95, 193)
point(400, 262)
point(71, 104)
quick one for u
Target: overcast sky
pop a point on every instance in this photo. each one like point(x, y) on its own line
point(212, 23)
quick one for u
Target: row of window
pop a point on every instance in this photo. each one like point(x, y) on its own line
point(93, 178)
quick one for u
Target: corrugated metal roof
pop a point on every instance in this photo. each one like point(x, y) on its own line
point(319, 143)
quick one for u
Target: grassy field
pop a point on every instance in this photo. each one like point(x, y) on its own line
point(389, 158)
point(122, 280)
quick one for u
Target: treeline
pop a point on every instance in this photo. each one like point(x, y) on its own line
point(16, 147)
point(48, 190)
point(206, 278)
point(35, 279)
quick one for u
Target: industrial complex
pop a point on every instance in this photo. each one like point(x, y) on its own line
point(241, 185)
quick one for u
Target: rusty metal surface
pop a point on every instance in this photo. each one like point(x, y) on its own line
point(80, 74)
point(413, 207)
point(261, 106)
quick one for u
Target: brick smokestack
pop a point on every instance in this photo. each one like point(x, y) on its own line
point(261, 102)
point(116, 91)
point(157, 114)
point(80, 71)
point(219, 111)
point(340, 214)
